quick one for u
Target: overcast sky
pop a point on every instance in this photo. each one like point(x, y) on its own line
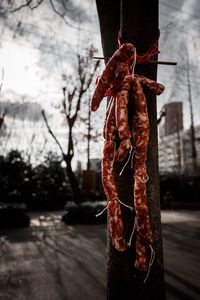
point(38, 46)
point(180, 33)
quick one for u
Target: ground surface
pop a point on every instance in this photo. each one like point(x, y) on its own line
point(50, 260)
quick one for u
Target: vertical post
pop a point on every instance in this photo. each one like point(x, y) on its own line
point(192, 131)
point(138, 24)
point(109, 20)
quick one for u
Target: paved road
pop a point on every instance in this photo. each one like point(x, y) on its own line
point(52, 261)
point(181, 241)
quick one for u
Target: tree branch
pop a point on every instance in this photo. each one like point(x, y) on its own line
point(64, 4)
point(85, 83)
point(92, 76)
point(52, 134)
point(78, 105)
point(36, 5)
point(64, 104)
point(28, 2)
point(70, 99)
point(58, 13)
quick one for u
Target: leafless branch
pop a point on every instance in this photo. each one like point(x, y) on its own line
point(92, 74)
point(65, 108)
point(2, 78)
point(36, 5)
point(64, 4)
point(85, 84)
point(70, 99)
point(28, 2)
point(58, 13)
point(52, 134)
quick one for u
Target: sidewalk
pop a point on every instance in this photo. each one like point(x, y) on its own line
point(52, 261)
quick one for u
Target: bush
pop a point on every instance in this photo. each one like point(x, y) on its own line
point(45, 186)
point(182, 188)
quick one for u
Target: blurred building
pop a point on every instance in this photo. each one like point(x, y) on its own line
point(90, 180)
point(95, 165)
point(173, 121)
point(175, 144)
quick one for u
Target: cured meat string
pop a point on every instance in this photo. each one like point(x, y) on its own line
point(120, 83)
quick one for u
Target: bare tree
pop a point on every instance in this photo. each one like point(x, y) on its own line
point(73, 94)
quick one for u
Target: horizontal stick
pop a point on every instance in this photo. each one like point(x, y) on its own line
point(171, 63)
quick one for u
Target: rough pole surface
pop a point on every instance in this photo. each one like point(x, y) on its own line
point(138, 23)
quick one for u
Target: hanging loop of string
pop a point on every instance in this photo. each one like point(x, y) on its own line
point(132, 68)
point(126, 163)
point(132, 233)
point(150, 263)
point(124, 204)
point(101, 212)
point(146, 57)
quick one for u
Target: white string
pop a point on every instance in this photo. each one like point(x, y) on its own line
point(134, 61)
point(132, 233)
point(101, 212)
point(109, 109)
point(122, 170)
point(150, 263)
point(143, 181)
point(126, 205)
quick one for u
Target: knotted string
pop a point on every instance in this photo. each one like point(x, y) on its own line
point(106, 207)
point(146, 57)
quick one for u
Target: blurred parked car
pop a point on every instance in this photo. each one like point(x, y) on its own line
point(13, 215)
point(85, 213)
